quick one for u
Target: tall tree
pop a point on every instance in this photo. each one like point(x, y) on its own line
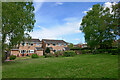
point(17, 20)
point(97, 27)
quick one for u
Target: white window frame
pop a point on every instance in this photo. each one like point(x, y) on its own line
point(54, 45)
point(64, 44)
point(37, 44)
point(60, 44)
point(31, 51)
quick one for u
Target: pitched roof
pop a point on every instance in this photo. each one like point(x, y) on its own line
point(39, 48)
point(53, 41)
point(66, 48)
point(33, 40)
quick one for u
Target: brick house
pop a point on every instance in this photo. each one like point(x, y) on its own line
point(35, 46)
point(54, 45)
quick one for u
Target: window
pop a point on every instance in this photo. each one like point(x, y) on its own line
point(31, 44)
point(31, 51)
point(54, 44)
point(37, 44)
point(23, 51)
point(60, 44)
point(64, 44)
point(54, 50)
point(22, 44)
point(48, 44)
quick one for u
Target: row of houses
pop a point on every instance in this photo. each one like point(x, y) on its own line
point(35, 46)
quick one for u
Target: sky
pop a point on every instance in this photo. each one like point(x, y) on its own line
point(61, 20)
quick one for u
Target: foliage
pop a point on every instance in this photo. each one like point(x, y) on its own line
point(70, 45)
point(49, 55)
point(58, 53)
point(116, 18)
point(34, 56)
point(98, 28)
point(12, 57)
point(69, 53)
point(17, 21)
point(75, 48)
point(47, 50)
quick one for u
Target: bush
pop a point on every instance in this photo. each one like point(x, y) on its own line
point(113, 51)
point(83, 51)
point(47, 50)
point(34, 56)
point(12, 57)
point(69, 53)
point(75, 48)
point(48, 55)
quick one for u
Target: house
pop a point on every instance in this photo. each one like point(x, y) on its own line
point(54, 45)
point(77, 45)
point(35, 46)
point(28, 47)
point(84, 45)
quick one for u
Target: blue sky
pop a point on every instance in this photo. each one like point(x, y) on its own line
point(60, 20)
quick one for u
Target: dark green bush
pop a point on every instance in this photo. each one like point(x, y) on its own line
point(47, 50)
point(83, 51)
point(113, 51)
point(75, 48)
point(34, 56)
point(12, 57)
point(69, 53)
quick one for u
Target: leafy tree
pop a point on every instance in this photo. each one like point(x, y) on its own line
point(97, 27)
point(116, 18)
point(17, 21)
point(47, 50)
point(70, 45)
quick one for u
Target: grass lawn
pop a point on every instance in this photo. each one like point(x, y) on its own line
point(79, 66)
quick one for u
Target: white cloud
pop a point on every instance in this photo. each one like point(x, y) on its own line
point(85, 12)
point(77, 39)
point(89, 8)
point(37, 5)
point(58, 3)
point(56, 32)
point(109, 5)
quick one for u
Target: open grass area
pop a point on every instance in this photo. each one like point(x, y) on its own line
point(79, 66)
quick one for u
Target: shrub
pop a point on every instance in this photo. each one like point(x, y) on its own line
point(12, 57)
point(47, 50)
point(75, 48)
point(114, 51)
point(34, 56)
point(83, 51)
point(69, 53)
point(56, 54)
point(48, 55)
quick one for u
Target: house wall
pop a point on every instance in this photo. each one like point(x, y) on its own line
point(40, 53)
point(57, 47)
point(15, 52)
point(28, 47)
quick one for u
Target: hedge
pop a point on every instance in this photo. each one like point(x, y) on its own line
point(12, 57)
point(69, 53)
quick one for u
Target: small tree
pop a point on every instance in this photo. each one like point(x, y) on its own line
point(47, 50)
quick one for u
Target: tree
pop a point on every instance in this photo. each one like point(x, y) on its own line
point(47, 50)
point(17, 21)
point(97, 27)
point(116, 18)
point(70, 45)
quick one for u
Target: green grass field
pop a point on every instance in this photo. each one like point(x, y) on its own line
point(79, 66)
